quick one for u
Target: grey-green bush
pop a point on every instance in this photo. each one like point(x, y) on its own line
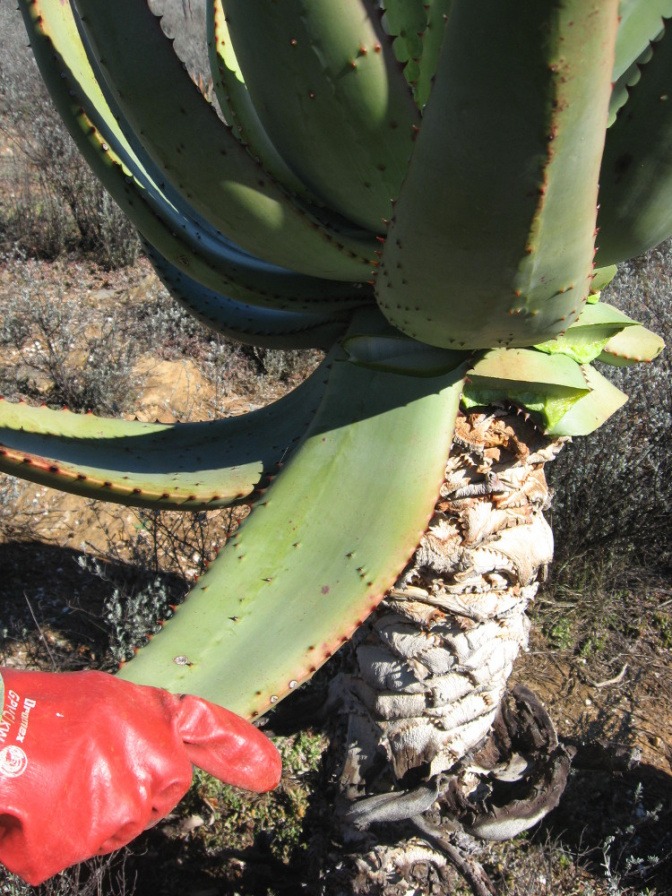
point(614, 489)
point(51, 203)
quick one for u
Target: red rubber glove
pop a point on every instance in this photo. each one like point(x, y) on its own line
point(88, 762)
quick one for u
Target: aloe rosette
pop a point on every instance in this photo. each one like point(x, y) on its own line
point(412, 187)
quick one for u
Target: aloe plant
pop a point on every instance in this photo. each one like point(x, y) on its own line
point(435, 194)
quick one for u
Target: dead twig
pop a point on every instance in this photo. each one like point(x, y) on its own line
point(470, 869)
point(617, 679)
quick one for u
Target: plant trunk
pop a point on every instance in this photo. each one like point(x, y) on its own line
point(430, 725)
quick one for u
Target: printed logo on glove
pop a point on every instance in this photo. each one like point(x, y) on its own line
point(111, 758)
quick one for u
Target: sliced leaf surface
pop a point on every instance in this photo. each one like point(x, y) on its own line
point(588, 336)
point(548, 386)
point(592, 410)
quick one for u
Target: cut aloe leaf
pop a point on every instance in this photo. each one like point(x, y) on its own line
point(591, 411)
point(585, 340)
point(545, 385)
point(316, 556)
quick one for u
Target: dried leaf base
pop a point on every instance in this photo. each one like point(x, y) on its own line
point(432, 733)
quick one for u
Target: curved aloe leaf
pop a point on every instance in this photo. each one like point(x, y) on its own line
point(493, 234)
point(189, 466)
point(236, 104)
point(200, 155)
point(318, 554)
point(349, 134)
point(636, 174)
point(134, 182)
point(633, 345)
point(249, 324)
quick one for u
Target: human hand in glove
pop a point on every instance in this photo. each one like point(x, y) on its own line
point(88, 762)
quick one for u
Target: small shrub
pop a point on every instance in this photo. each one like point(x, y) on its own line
point(613, 489)
point(105, 876)
point(51, 203)
point(55, 353)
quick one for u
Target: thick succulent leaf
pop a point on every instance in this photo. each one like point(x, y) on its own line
point(249, 324)
point(633, 345)
point(636, 175)
point(331, 95)
point(602, 277)
point(373, 342)
point(591, 411)
point(432, 38)
point(184, 465)
point(417, 29)
point(162, 217)
point(199, 154)
point(546, 385)
point(587, 337)
point(236, 104)
point(316, 556)
point(641, 22)
point(493, 234)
